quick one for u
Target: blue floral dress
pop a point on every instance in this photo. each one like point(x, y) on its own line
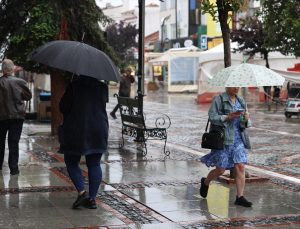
point(231, 154)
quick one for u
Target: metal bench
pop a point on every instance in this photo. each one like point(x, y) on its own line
point(133, 124)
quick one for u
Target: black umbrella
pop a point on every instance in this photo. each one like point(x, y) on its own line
point(78, 58)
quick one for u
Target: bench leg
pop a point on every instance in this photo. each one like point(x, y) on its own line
point(121, 145)
point(144, 151)
point(166, 152)
point(143, 148)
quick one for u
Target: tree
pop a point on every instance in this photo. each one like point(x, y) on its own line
point(25, 25)
point(122, 37)
point(220, 10)
point(281, 20)
point(35, 29)
point(251, 38)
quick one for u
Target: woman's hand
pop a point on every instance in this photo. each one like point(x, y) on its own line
point(246, 116)
point(233, 115)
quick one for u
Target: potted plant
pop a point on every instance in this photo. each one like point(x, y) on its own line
point(152, 86)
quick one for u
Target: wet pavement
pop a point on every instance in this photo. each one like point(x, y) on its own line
point(157, 191)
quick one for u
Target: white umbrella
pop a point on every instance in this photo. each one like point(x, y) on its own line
point(246, 75)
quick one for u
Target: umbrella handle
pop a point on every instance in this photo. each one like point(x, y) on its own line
point(83, 34)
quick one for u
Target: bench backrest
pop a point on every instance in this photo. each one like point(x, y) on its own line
point(130, 112)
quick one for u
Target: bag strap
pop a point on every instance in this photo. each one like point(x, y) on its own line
point(222, 104)
point(223, 111)
point(206, 125)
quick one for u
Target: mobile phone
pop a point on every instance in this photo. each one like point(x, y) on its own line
point(240, 110)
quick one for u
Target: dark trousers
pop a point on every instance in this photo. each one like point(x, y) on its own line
point(115, 109)
point(117, 106)
point(14, 129)
point(94, 172)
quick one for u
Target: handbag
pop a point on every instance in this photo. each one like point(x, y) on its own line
point(214, 139)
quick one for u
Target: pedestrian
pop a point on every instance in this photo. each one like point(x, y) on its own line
point(13, 93)
point(125, 87)
point(84, 132)
point(267, 93)
point(231, 113)
point(276, 94)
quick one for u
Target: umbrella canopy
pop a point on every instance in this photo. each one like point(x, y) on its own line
point(78, 58)
point(246, 75)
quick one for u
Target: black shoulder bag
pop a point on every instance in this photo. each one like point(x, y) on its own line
point(214, 139)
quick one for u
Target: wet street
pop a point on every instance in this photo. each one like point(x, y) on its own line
point(157, 191)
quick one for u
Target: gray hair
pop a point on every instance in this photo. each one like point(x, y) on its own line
point(8, 67)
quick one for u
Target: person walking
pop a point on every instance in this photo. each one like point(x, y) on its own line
point(229, 111)
point(13, 93)
point(84, 132)
point(125, 87)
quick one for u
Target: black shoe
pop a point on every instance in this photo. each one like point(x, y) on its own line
point(80, 201)
point(113, 115)
point(14, 172)
point(203, 188)
point(242, 202)
point(91, 204)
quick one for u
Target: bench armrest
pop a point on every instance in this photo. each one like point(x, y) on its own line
point(163, 121)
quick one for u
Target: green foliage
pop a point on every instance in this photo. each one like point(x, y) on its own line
point(36, 29)
point(122, 37)
point(281, 21)
point(26, 25)
point(219, 10)
point(212, 7)
point(250, 36)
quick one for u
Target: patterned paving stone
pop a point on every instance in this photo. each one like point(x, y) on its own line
point(283, 221)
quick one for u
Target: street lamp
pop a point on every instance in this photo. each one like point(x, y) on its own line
point(141, 48)
point(163, 20)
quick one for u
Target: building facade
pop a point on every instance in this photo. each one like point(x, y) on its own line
point(130, 15)
point(182, 20)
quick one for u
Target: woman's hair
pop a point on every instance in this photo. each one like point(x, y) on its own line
point(8, 66)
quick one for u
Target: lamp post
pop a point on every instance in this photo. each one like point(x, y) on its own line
point(140, 72)
point(176, 19)
point(141, 52)
point(164, 19)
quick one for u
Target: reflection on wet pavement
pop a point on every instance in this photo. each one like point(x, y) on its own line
point(154, 191)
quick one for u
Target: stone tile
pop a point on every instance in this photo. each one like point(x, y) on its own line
point(45, 223)
point(187, 216)
point(175, 205)
point(26, 204)
point(8, 224)
point(156, 225)
point(94, 220)
point(145, 196)
point(238, 211)
point(36, 213)
point(297, 206)
point(45, 180)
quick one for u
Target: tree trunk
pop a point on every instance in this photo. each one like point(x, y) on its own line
point(57, 90)
point(266, 57)
point(58, 84)
point(223, 19)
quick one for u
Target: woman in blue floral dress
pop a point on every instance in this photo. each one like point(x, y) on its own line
point(231, 113)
